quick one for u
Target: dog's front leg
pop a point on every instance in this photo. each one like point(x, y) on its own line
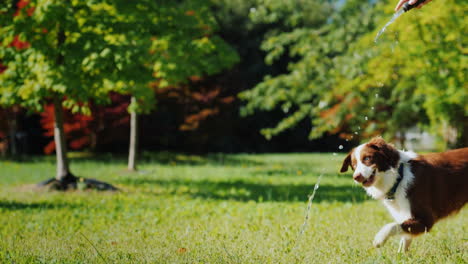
point(405, 242)
point(385, 232)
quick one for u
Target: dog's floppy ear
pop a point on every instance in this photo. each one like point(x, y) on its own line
point(377, 143)
point(386, 156)
point(346, 162)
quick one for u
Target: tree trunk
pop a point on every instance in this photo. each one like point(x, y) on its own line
point(132, 154)
point(63, 171)
point(64, 180)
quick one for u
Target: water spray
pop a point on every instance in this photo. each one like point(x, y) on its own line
point(309, 206)
point(405, 8)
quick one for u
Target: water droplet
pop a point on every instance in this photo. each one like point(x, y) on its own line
point(341, 146)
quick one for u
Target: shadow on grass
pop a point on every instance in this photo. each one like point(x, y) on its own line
point(208, 159)
point(163, 158)
point(247, 191)
point(14, 205)
point(292, 172)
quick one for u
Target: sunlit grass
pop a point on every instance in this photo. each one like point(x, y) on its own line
point(211, 209)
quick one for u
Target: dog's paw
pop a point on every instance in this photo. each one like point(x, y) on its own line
point(384, 233)
point(379, 241)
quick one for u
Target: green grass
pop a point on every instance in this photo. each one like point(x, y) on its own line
point(213, 209)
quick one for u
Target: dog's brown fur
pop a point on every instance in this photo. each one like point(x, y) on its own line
point(440, 188)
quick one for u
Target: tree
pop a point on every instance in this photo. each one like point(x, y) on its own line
point(413, 76)
point(66, 62)
point(79, 51)
point(428, 68)
point(104, 128)
point(312, 44)
point(184, 44)
point(346, 84)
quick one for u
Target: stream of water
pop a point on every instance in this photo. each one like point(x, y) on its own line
point(307, 212)
point(395, 16)
point(311, 197)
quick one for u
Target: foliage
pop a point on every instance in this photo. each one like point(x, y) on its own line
point(85, 49)
point(191, 104)
point(81, 51)
point(343, 82)
point(207, 209)
point(198, 100)
point(312, 49)
point(419, 69)
point(72, 124)
point(41, 71)
point(89, 132)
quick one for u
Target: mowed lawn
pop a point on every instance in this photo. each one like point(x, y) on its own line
point(206, 209)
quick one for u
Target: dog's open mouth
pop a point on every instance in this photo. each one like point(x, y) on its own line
point(370, 180)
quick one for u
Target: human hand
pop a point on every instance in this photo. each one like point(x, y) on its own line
point(410, 2)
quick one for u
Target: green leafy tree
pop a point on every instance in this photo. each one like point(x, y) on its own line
point(318, 35)
point(183, 44)
point(345, 83)
point(64, 42)
point(414, 75)
point(81, 50)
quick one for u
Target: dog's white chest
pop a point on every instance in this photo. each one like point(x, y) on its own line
point(399, 208)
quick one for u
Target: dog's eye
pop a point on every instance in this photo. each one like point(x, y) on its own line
point(366, 158)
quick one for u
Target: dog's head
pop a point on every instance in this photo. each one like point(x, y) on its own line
point(368, 160)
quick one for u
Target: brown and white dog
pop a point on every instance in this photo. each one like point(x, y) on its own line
point(418, 190)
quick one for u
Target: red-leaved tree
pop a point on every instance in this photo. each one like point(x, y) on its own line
point(88, 131)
